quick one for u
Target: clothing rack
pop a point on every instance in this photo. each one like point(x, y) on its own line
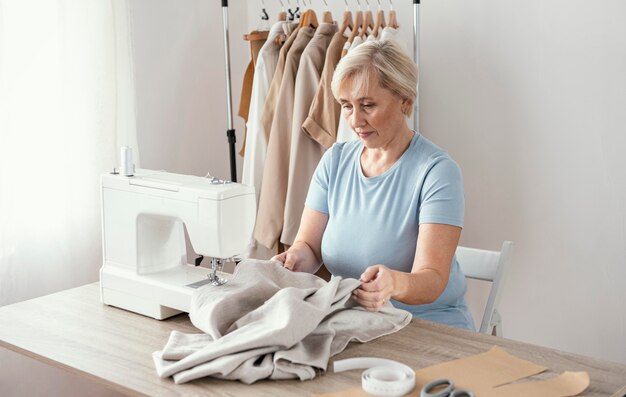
point(416, 58)
point(230, 132)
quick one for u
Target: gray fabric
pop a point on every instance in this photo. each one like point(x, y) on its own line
point(270, 323)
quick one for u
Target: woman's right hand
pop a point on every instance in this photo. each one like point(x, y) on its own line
point(305, 254)
point(299, 258)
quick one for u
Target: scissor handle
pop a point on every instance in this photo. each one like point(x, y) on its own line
point(447, 391)
point(462, 393)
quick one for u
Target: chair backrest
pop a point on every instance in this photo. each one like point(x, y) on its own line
point(487, 266)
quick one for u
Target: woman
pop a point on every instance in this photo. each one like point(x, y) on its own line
point(387, 208)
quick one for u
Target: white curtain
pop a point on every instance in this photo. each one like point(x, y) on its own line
point(66, 105)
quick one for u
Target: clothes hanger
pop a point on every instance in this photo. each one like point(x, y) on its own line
point(309, 18)
point(282, 15)
point(312, 22)
point(380, 21)
point(393, 22)
point(355, 31)
point(327, 16)
point(347, 19)
point(368, 21)
point(304, 19)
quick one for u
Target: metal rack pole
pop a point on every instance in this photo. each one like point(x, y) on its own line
point(230, 133)
point(416, 57)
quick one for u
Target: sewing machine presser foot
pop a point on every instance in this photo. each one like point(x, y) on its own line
point(214, 279)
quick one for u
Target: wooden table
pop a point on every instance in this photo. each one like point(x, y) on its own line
point(72, 330)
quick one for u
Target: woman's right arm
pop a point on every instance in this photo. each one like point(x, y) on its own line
point(305, 255)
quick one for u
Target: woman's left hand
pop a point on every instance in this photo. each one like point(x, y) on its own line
point(377, 286)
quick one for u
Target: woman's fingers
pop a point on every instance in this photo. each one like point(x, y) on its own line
point(369, 274)
point(279, 257)
point(286, 259)
point(373, 301)
point(375, 289)
point(290, 262)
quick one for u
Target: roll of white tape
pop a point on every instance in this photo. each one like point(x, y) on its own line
point(383, 377)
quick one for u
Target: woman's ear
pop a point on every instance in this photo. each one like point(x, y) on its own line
point(406, 106)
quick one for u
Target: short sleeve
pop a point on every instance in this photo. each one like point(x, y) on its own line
point(442, 197)
point(317, 198)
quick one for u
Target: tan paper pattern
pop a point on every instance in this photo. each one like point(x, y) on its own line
point(566, 384)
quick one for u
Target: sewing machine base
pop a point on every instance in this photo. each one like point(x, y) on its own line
point(157, 295)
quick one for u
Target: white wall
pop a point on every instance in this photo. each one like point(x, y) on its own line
point(529, 97)
point(180, 84)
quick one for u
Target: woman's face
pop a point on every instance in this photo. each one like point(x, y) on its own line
point(376, 115)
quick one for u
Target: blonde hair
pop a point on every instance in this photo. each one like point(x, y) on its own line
point(385, 59)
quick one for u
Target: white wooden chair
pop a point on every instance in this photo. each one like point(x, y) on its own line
point(487, 266)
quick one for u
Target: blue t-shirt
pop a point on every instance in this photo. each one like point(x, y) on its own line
point(375, 220)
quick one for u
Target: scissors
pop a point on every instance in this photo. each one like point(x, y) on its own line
point(447, 391)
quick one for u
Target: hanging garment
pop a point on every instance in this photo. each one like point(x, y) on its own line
point(390, 33)
point(270, 214)
point(256, 143)
point(270, 322)
point(267, 115)
point(305, 153)
point(256, 39)
point(321, 124)
point(254, 158)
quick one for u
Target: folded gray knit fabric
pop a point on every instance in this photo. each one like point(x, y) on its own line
point(268, 322)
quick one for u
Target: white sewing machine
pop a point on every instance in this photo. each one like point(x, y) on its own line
point(145, 267)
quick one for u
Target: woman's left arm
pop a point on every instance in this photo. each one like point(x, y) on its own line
point(436, 244)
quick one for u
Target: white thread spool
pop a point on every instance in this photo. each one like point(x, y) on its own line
point(126, 157)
